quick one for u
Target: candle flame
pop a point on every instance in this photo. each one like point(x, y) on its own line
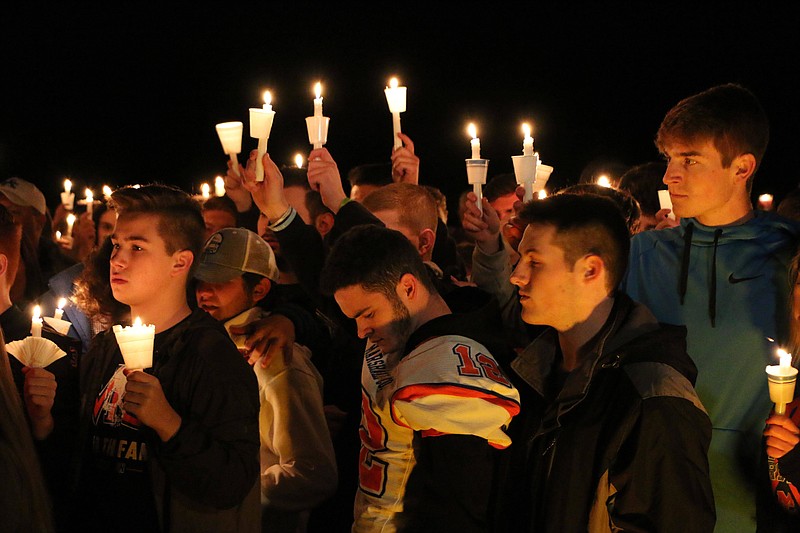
point(67, 186)
point(107, 190)
point(37, 312)
point(393, 83)
point(137, 322)
point(58, 235)
point(205, 189)
point(603, 181)
point(318, 90)
point(70, 219)
point(526, 129)
point(89, 195)
point(765, 198)
point(472, 130)
point(267, 97)
point(298, 160)
point(542, 194)
point(61, 303)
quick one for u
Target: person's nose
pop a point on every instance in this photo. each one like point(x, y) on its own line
point(364, 329)
point(673, 174)
point(519, 276)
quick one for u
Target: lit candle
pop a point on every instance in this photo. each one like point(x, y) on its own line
point(260, 126)
point(205, 190)
point(781, 379)
point(70, 223)
point(318, 100)
point(527, 141)
point(136, 344)
point(89, 201)
point(298, 160)
point(67, 197)
point(603, 181)
point(542, 194)
point(765, 202)
point(36, 322)
point(219, 186)
point(475, 143)
point(59, 313)
point(58, 235)
point(107, 192)
point(396, 98)
point(317, 125)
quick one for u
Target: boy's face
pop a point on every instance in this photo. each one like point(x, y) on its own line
point(548, 288)
point(141, 268)
point(698, 184)
point(504, 205)
point(384, 322)
point(223, 301)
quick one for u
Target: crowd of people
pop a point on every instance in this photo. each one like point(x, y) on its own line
point(332, 361)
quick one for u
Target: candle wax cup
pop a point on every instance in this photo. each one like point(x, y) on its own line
point(260, 122)
point(781, 380)
point(317, 130)
point(230, 136)
point(396, 98)
point(476, 171)
point(136, 345)
point(542, 175)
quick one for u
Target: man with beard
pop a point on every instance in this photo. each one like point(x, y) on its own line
point(435, 403)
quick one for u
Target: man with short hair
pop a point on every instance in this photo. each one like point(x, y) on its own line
point(175, 447)
point(611, 436)
point(434, 401)
point(298, 470)
point(219, 212)
point(722, 273)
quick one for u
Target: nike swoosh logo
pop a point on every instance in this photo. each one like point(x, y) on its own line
point(733, 279)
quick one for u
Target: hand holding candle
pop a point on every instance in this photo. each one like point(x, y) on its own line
point(68, 197)
point(230, 136)
point(782, 379)
point(317, 125)
point(136, 344)
point(396, 98)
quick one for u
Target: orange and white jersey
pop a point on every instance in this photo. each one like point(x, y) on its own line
point(448, 385)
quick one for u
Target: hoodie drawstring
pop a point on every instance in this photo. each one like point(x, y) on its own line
point(687, 249)
point(712, 295)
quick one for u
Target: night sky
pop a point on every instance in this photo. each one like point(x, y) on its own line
point(131, 95)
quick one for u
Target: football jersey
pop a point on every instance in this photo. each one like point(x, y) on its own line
point(448, 385)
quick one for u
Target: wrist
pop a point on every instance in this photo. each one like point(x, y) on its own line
point(170, 426)
point(338, 203)
point(243, 201)
point(275, 211)
point(490, 246)
point(42, 427)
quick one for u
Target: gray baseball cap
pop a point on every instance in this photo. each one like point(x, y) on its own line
point(231, 252)
point(23, 193)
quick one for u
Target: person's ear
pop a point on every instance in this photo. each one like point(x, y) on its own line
point(408, 287)
point(3, 265)
point(427, 238)
point(744, 166)
point(324, 223)
point(592, 268)
point(261, 289)
point(182, 262)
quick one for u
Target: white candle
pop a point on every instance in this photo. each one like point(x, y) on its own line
point(67, 197)
point(475, 143)
point(260, 126)
point(136, 344)
point(89, 201)
point(219, 186)
point(107, 192)
point(205, 190)
point(36, 322)
point(59, 313)
point(527, 141)
point(781, 379)
point(396, 98)
point(298, 160)
point(70, 223)
point(318, 100)
point(665, 202)
point(230, 136)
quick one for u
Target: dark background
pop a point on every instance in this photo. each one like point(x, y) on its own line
point(131, 94)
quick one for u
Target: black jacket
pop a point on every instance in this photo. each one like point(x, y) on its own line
point(206, 476)
point(621, 446)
